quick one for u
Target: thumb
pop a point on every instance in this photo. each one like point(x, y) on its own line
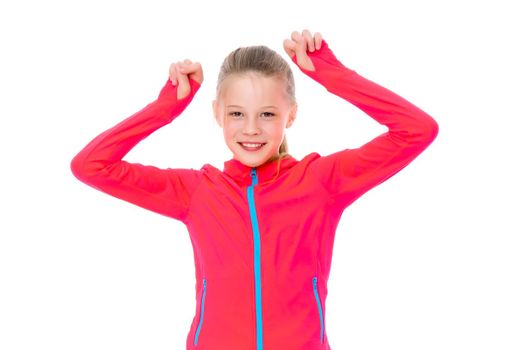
point(183, 87)
point(297, 52)
point(294, 48)
point(300, 50)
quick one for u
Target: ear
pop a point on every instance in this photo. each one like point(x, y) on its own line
point(215, 107)
point(292, 115)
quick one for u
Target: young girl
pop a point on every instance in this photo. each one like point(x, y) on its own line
point(262, 229)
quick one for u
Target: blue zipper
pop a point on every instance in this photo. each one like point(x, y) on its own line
point(319, 308)
point(256, 260)
point(201, 314)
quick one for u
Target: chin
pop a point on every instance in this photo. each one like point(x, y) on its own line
point(252, 162)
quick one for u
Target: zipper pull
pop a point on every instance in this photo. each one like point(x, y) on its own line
point(255, 181)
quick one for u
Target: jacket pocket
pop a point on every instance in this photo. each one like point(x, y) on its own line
point(201, 316)
point(319, 307)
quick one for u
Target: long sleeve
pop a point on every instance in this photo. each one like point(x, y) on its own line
point(165, 191)
point(349, 173)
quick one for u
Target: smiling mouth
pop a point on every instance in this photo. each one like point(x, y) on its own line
point(251, 146)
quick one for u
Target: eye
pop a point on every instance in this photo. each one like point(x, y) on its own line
point(268, 114)
point(235, 114)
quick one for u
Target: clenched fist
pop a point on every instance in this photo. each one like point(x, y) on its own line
point(181, 72)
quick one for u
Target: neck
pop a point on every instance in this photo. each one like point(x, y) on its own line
point(275, 157)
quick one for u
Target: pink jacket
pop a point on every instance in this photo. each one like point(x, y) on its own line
point(262, 237)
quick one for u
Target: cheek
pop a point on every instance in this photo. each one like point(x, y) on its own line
point(229, 130)
point(276, 128)
point(227, 133)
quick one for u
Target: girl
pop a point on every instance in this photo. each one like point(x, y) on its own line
point(263, 227)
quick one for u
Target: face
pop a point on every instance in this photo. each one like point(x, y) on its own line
point(253, 112)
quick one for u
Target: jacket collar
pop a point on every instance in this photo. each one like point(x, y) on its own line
point(267, 172)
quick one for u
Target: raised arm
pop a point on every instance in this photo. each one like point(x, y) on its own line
point(165, 191)
point(349, 173)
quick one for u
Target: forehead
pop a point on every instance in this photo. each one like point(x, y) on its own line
point(253, 88)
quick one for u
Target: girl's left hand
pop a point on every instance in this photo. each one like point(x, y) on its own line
point(298, 46)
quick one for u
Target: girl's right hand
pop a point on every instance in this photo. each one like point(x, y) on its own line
point(181, 71)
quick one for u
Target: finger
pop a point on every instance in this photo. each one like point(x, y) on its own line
point(197, 74)
point(300, 48)
point(181, 72)
point(289, 47)
point(298, 38)
point(300, 42)
point(186, 64)
point(189, 67)
point(309, 40)
point(192, 70)
point(318, 39)
point(173, 74)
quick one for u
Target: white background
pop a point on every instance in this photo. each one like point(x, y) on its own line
point(431, 259)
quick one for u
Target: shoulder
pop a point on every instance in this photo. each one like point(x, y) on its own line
point(308, 159)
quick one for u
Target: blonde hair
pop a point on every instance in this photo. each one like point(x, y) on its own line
point(263, 60)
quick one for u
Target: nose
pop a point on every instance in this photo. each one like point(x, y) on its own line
point(251, 126)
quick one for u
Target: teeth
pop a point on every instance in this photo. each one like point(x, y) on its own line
point(253, 145)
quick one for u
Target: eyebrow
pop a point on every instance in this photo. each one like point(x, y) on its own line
point(242, 107)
